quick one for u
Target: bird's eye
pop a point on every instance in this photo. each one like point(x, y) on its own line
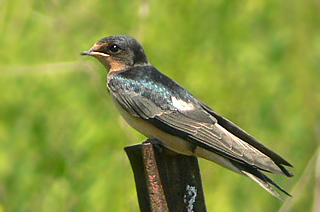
point(114, 48)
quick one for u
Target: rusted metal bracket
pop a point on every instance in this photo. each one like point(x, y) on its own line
point(165, 180)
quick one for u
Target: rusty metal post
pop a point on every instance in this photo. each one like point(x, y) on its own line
point(165, 180)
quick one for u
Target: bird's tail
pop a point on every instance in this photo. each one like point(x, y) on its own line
point(263, 180)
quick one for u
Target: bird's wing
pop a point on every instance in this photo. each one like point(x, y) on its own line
point(193, 124)
point(215, 138)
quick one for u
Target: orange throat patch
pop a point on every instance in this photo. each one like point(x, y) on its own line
point(116, 65)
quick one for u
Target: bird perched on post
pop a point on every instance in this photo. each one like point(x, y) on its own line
point(160, 108)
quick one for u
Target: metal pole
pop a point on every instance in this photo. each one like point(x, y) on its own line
point(165, 180)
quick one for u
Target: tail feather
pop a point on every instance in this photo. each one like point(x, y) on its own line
point(263, 180)
point(264, 184)
point(276, 185)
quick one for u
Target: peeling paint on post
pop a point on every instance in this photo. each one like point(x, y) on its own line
point(190, 197)
point(165, 180)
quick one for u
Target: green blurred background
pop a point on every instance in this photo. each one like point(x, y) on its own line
point(61, 139)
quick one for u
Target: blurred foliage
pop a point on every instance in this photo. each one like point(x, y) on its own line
point(61, 140)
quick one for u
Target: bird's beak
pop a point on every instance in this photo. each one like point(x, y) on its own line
point(95, 51)
point(101, 56)
point(91, 52)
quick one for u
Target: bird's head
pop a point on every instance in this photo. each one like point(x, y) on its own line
point(118, 52)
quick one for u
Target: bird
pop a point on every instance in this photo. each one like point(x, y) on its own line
point(160, 108)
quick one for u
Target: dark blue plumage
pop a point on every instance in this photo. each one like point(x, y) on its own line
point(150, 83)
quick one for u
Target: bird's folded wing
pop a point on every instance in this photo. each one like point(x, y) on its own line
point(208, 135)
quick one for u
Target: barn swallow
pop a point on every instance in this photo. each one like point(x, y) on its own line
point(160, 108)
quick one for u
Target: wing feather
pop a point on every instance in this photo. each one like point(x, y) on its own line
point(210, 136)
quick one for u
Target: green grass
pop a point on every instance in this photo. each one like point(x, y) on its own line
point(61, 138)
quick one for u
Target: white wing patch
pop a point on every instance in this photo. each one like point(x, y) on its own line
point(181, 105)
